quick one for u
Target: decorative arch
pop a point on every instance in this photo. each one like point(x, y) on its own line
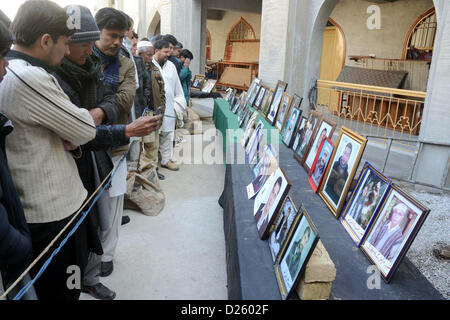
point(208, 44)
point(154, 28)
point(421, 35)
point(241, 31)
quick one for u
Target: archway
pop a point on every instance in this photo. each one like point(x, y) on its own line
point(154, 28)
point(419, 41)
point(241, 31)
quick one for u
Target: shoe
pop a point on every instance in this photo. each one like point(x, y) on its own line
point(125, 219)
point(171, 166)
point(161, 177)
point(106, 269)
point(99, 291)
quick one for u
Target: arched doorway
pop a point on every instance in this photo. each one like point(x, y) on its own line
point(154, 28)
point(240, 31)
point(419, 41)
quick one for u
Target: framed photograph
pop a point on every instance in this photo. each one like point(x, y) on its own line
point(268, 163)
point(243, 115)
point(269, 200)
point(265, 108)
point(295, 253)
point(236, 105)
point(325, 130)
point(364, 202)
point(249, 129)
point(252, 98)
point(253, 145)
point(316, 174)
point(343, 165)
point(291, 125)
point(241, 105)
point(259, 98)
point(255, 82)
point(285, 109)
point(198, 81)
point(209, 85)
point(249, 114)
point(230, 92)
point(300, 132)
point(393, 230)
point(307, 134)
point(276, 101)
point(232, 98)
point(282, 226)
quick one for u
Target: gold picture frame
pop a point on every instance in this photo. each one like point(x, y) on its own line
point(334, 188)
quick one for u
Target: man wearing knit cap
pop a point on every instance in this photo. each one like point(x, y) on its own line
point(80, 76)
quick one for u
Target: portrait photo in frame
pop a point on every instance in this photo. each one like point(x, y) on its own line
point(249, 129)
point(367, 197)
point(317, 172)
point(198, 81)
point(266, 103)
point(307, 135)
point(260, 97)
point(266, 165)
point(299, 133)
point(252, 99)
point(253, 145)
point(325, 130)
point(294, 256)
point(269, 200)
point(209, 85)
point(237, 103)
point(393, 230)
point(291, 125)
point(282, 226)
point(285, 109)
point(276, 101)
point(255, 82)
point(341, 169)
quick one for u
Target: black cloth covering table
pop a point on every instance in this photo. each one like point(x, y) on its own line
point(251, 275)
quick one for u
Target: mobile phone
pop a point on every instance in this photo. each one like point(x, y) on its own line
point(158, 111)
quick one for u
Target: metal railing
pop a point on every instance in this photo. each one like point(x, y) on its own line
point(371, 110)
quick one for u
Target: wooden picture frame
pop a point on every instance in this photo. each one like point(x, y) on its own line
point(266, 102)
point(317, 172)
point(209, 85)
point(297, 250)
point(312, 124)
point(325, 129)
point(275, 102)
point(274, 191)
point(252, 98)
point(198, 82)
point(284, 111)
point(364, 203)
point(387, 249)
point(336, 183)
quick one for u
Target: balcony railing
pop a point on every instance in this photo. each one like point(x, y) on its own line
point(371, 110)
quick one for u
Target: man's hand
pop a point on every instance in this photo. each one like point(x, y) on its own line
point(68, 146)
point(143, 126)
point(98, 115)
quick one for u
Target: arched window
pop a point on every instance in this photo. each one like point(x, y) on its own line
point(208, 45)
point(240, 31)
point(154, 28)
point(419, 42)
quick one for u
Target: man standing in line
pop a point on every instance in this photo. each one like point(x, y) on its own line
point(173, 90)
point(173, 42)
point(119, 76)
point(47, 125)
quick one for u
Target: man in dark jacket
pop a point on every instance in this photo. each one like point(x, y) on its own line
point(80, 76)
point(173, 42)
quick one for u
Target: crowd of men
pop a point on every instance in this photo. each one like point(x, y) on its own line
point(76, 91)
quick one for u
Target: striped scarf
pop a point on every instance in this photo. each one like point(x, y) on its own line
point(111, 71)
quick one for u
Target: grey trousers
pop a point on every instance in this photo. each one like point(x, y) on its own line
point(110, 237)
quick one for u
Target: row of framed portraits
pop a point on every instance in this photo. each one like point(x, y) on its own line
point(381, 219)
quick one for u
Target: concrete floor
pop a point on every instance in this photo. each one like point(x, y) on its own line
point(179, 254)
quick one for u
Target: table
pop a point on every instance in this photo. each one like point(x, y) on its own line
point(251, 275)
